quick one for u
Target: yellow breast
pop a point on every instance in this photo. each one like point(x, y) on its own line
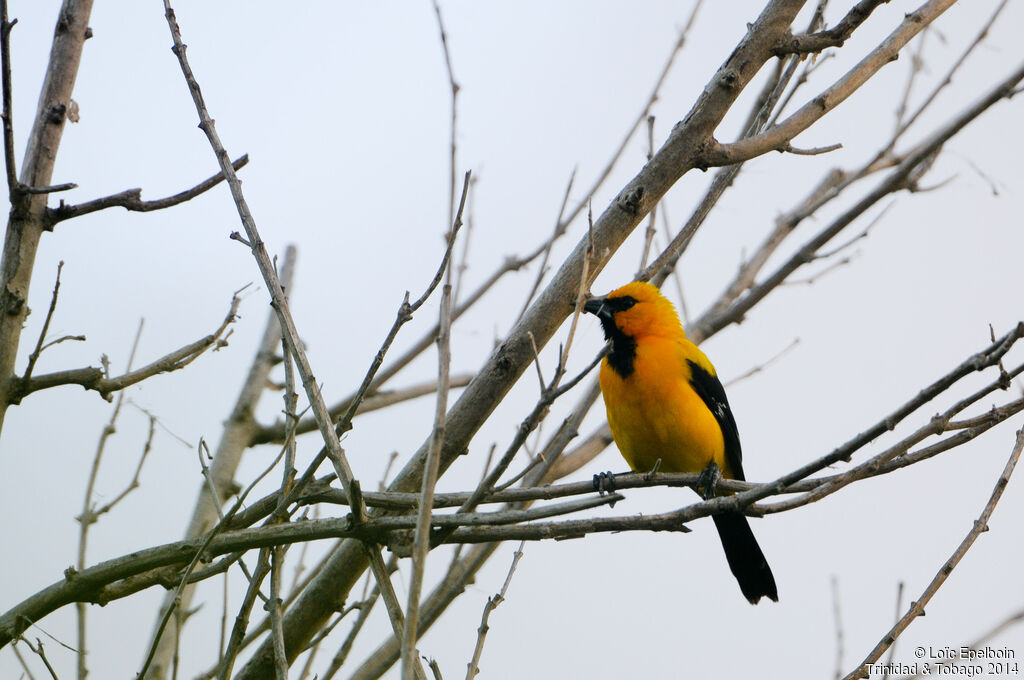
point(654, 413)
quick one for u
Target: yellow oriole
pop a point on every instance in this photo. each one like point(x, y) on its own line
point(665, 403)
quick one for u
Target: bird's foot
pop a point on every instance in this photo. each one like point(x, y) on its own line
point(604, 482)
point(708, 481)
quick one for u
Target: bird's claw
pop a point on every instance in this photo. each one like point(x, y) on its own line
point(708, 480)
point(604, 482)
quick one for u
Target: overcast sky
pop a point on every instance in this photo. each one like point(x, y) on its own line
point(344, 110)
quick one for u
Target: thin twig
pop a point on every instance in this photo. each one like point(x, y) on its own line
point(387, 592)
point(38, 650)
point(721, 315)
point(460, 271)
point(838, 620)
point(373, 401)
point(92, 378)
point(255, 579)
point(652, 218)
point(242, 618)
point(88, 516)
point(786, 130)
point(1013, 619)
point(916, 66)
point(492, 604)
point(131, 199)
point(21, 660)
point(5, 55)
point(917, 607)
point(421, 537)
point(948, 77)
point(455, 96)
point(760, 367)
point(267, 269)
point(34, 356)
point(274, 607)
point(365, 608)
point(606, 172)
point(46, 189)
point(561, 224)
point(228, 453)
point(277, 552)
point(892, 648)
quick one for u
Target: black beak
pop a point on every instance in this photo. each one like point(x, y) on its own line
point(600, 308)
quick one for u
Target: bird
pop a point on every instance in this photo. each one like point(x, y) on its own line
point(668, 411)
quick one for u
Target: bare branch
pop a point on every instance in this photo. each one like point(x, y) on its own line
point(421, 538)
point(5, 55)
point(948, 77)
point(26, 221)
point(760, 112)
point(917, 607)
point(454, 583)
point(606, 172)
point(816, 151)
point(838, 618)
point(47, 189)
point(677, 156)
point(242, 618)
point(237, 432)
point(88, 515)
point(455, 97)
point(391, 603)
point(1013, 619)
point(492, 604)
point(279, 302)
point(131, 199)
point(899, 608)
point(34, 356)
point(560, 226)
point(652, 217)
point(375, 400)
point(38, 650)
point(781, 134)
point(760, 367)
point(93, 378)
point(834, 37)
point(923, 154)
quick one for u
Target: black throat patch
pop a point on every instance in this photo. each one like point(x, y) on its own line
point(623, 352)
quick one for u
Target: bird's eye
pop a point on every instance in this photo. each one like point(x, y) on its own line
point(624, 303)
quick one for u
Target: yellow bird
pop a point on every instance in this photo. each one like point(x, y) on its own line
point(665, 403)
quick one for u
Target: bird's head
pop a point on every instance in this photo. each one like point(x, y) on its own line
point(635, 310)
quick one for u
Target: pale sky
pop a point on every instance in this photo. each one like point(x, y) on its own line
point(344, 110)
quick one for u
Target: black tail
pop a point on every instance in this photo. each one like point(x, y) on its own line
point(745, 558)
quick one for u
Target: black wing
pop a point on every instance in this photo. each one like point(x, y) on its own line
point(710, 389)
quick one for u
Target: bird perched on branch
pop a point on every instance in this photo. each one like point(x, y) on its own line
point(667, 410)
